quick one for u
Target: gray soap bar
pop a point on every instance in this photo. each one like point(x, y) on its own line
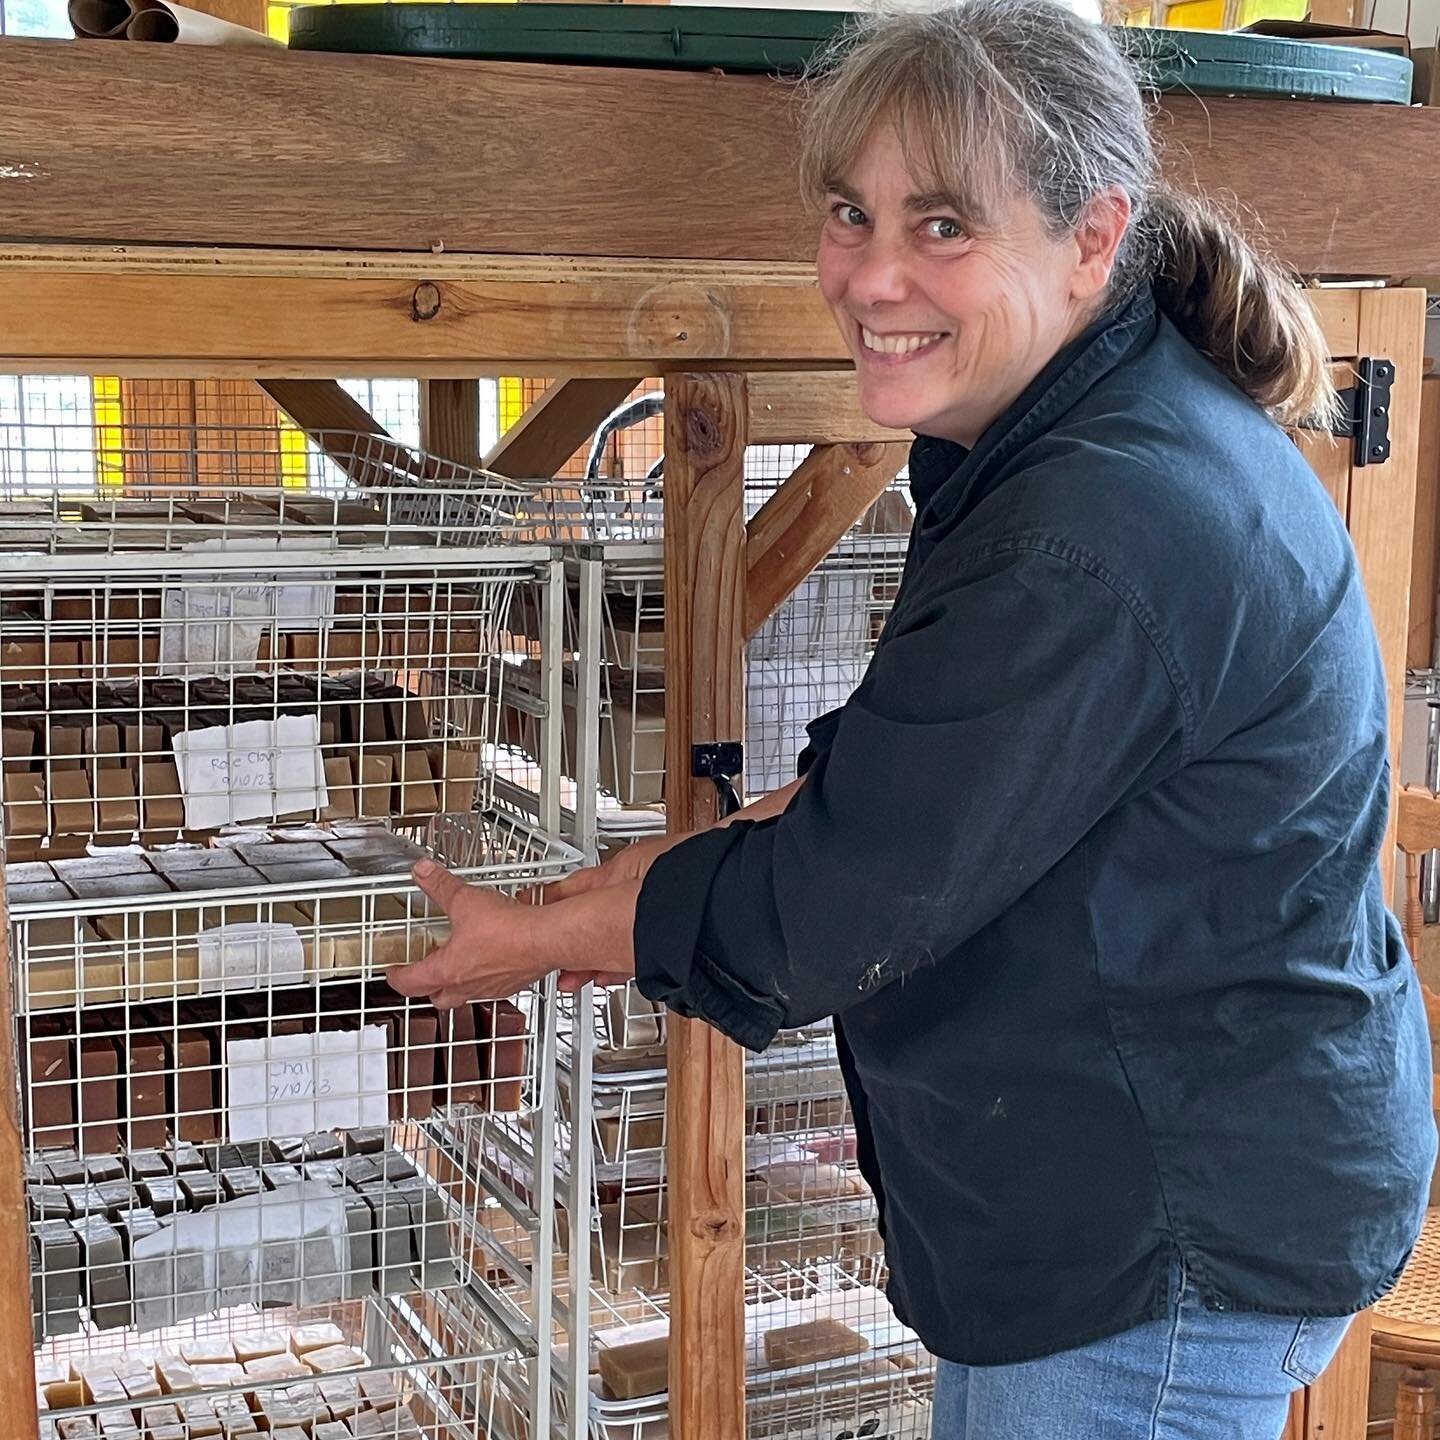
point(280, 1174)
point(434, 1259)
point(134, 1225)
point(49, 1202)
point(365, 1140)
point(359, 1170)
point(239, 1181)
point(115, 1195)
point(162, 1194)
point(360, 1223)
point(323, 1145)
point(327, 1171)
point(147, 1164)
point(107, 1285)
point(103, 1167)
point(60, 1275)
point(186, 1157)
point(393, 1245)
point(200, 1188)
point(396, 1166)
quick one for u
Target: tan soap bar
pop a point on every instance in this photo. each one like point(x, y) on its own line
point(379, 1392)
point(316, 1336)
point(341, 1393)
point(49, 1371)
point(77, 1427)
point(61, 1394)
point(175, 1375)
point(370, 1424)
point(154, 1416)
point(631, 1371)
point(336, 1357)
point(333, 1430)
point(812, 1343)
point(141, 1385)
point(201, 1419)
point(275, 1367)
point(213, 1377)
point(106, 1388)
point(216, 1351)
point(258, 1343)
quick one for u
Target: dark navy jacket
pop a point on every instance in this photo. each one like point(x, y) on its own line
point(1086, 871)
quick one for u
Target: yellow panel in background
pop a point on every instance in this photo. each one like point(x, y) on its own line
point(511, 400)
point(1142, 17)
point(109, 437)
point(294, 455)
point(1253, 10)
point(1196, 15)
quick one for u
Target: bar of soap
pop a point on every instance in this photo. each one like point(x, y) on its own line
point(162, 1195)
point(77, 1427)
point(275, 1367)
point(812, 1343)
point(368, 1425)
point(335, 1357)
point(641, 1368)
point(333, 1430)
point(341, 1394)
point(217, 1376)
point(315, 1336)
point(103, 1167)
point(259, 1343)
point(61, 1394)
point(200, 1418)
point(140, 1384)
point(118, 1425)
point(200, 1188)
point(147, 1165)
point(379, 1392)
point(365, 1140)
point(154, 1416)
point(176, 1376)
point(105, 1388)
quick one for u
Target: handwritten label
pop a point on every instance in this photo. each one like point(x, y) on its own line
point(296, 1084)
point(255, 769)
point(213, 629)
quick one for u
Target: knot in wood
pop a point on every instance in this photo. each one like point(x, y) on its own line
point(703, 433)
point(715, 1226)
point(425, 303)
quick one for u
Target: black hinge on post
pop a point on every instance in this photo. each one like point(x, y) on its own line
point(723, 761)
point(1365, 410)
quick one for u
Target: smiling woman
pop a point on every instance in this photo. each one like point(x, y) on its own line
point(1085, 870)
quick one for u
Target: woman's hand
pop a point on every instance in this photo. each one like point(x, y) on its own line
point(492, 953)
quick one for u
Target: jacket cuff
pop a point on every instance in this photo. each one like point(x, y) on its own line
point(670, 968)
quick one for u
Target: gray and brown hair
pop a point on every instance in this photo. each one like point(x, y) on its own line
point(993, 98)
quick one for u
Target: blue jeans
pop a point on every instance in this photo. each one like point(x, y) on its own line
point(1197, 1374)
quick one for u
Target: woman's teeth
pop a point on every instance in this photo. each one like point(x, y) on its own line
point(898, 344)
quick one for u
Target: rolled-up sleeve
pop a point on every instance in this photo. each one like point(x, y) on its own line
point(1008, 711)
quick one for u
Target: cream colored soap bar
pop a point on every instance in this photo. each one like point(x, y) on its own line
point(304, 1338)
point(260, 1342)
point(336, 1357)
point(217, 1351)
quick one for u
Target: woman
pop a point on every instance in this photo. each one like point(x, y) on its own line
point(1086, 869)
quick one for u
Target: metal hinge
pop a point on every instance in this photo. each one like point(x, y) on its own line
point(1365, 410)
point(723, 762)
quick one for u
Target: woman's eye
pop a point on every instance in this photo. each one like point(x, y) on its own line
point(848, 214)
point(943, 228)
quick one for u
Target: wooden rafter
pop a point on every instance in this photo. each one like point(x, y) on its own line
point(133, 144)
point(798, 408)
point(450, 419)
point(799, 524)
point(556, 426)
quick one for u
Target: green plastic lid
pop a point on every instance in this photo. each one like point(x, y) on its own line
point(784, 42)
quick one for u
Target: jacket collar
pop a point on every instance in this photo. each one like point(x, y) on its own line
point(943, 473)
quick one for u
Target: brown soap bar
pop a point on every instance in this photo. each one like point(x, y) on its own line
point(191, 1062)
point(161, 801)
point(339, 789)
point(102, 746)
point(463, 1080)
point(812, 1343)
point(503, 1029)
point(72, 803)
point(119, 808)
point(99, 1096)
point(26, 810)
point(51, 1091)
point(61, 1394)
point(147, 1096)
point(418, 792)
point(375, 773)
point(417, 1082)
point(629, 1372)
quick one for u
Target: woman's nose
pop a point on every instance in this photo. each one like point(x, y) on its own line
point(880, 276)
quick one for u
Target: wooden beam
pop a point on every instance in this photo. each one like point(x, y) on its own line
point(705, 1100)
point(134, 144)
point(17, 1337)
point(809, 408)
point(450, 420)
point(553, 428)
point(1425, 554)
point(799, 524)
point(133, 322)
point(316, 405)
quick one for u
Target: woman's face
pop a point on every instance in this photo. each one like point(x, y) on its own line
point(947, 328)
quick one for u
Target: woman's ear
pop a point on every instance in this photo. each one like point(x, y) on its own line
point(1097, 239)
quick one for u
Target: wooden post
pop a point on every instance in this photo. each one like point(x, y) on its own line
point(705, 432)
point(17, 1336)
point(450, 420)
